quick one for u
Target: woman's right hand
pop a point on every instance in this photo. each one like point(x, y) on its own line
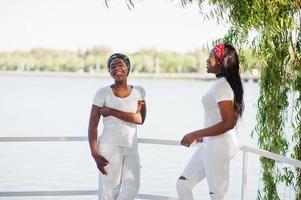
point(188, 139)
point(101, 162)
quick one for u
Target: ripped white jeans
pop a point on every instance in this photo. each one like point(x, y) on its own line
point(211, 160)
point(123, 179)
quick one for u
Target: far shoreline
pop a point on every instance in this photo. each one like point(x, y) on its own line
point(189, 76)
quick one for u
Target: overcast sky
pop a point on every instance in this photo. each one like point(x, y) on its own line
point(80, 24)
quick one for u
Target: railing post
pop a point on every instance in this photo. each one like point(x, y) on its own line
point(244, 175)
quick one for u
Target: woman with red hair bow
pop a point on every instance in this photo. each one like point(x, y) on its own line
point(223, 105)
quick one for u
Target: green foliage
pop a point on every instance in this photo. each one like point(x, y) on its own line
point(276, 22)
point(296, 85)
point(94, 59)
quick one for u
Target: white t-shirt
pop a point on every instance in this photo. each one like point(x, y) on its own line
point(219, 91)
point(116, 131)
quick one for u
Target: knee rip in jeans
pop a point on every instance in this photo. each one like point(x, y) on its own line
point(182, 178)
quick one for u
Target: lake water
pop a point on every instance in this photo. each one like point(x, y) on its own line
point(60, 106)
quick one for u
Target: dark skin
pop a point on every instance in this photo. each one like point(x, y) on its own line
point(118, 71)
point(226, 109)
point(228, 116)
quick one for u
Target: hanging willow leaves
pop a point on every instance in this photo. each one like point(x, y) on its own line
point(296, 66)
point(274, 21)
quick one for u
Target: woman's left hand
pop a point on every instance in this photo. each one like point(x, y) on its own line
point(188, 139)
point(106, 111)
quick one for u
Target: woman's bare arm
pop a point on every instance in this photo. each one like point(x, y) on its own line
point(228, 122)
point(95, 115)
point(137, 118)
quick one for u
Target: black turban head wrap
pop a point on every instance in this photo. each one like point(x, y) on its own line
point(121, 56)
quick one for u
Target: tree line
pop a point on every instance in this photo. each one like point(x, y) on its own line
point(94, 60)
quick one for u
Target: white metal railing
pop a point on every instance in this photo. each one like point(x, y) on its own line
point(74, 193)
point(273, 156)
point(244, 148)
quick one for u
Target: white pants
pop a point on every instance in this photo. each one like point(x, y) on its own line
point(211, 160)
point(123, 179)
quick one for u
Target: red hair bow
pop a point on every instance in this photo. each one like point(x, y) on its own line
point(219, 51)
